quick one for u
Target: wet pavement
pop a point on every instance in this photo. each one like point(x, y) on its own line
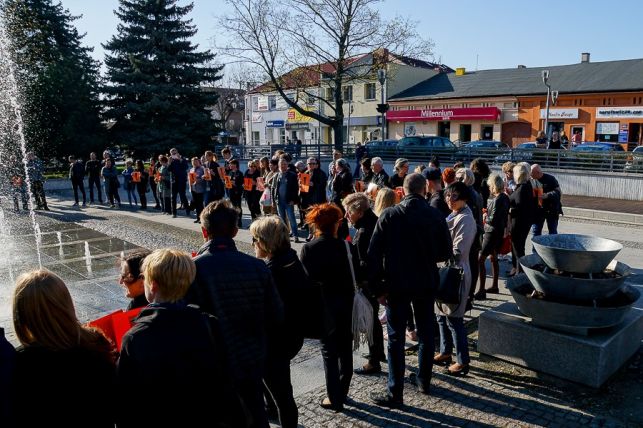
point(493, 394)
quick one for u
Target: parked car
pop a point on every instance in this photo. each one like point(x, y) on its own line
point(485, 149)
point(521, 153)
point(598, 156)
point(424, 147)
point(381, 148)
point(486, 144)
point(635, 161)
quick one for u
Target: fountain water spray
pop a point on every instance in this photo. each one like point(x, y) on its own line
point(61, 252)
point(88, 258)
point(8, 69)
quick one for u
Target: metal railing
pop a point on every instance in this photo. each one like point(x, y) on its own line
point(560, 159)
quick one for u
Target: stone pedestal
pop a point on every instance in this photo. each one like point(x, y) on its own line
point(506, 334)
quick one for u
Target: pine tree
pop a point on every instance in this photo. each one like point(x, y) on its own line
point(58, 79)
point(155, 74)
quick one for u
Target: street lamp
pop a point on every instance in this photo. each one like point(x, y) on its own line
point(383, 107)
point(550, 94)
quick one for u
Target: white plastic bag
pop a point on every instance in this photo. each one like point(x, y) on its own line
point(362, 324)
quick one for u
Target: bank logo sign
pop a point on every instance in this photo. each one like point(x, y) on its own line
point(559, 113)
point(619, 113)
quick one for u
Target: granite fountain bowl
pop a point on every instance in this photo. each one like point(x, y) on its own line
point(576, 253)
point(579, 314)
point(570, 286)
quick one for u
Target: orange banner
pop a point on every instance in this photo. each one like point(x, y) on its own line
point(247, 184)
point(136, 177)
point(399, 194)
point(304, 182)
point(221, 171)
point(157, 177)
point(207, 175)
point(538, 194)
point(261, 186)
point(228, 182)
point(192, 177)
point(359, 186)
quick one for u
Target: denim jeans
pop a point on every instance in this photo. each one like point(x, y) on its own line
point(457, 335)
point(397, 315)
point(552, 225)
point(289, 210)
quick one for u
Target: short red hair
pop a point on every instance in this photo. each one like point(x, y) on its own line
point(324, 218)
point(448, 176)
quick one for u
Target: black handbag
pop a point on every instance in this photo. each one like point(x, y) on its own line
point(448, 290)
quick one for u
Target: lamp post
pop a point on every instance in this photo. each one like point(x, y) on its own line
point(383, 107)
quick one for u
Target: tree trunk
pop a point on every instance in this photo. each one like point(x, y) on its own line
point(338, 131)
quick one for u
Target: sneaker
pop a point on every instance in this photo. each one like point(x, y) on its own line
point(84, 205)
point(75, 204)
point(385, 399)
point(112, 206)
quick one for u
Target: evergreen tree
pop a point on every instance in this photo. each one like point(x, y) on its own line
point(58, 79)
point(155, 74)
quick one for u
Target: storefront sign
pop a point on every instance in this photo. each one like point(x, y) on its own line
point(257, 117)
point(275, 124)
point(297, 125)
point(622, 136)
point(469, 113)
point(559, 113)
point(262, 103)
point(295, 116)
point(619, 112)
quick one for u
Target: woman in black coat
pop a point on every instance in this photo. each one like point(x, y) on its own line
point(271, 241)
point(143, 183)
point(522, 207)
point(363, 219)
point(342, 187)
point(326, 260)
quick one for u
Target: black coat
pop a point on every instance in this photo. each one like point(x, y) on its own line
point(326, 261)
point(92, 168)
point(381, 179)
point(292, 187)
point(522, 207)
point(292, 283)
point(68, 388)
point(552, 206)
point(179, 169)
point(497, 214)
point(342, 186)
point(170, 351)
point(77, 171)
point(7, 369)
point(409, 239)
point(239, 290)
point(318, 192)
point(437, 201)
point(365, 227)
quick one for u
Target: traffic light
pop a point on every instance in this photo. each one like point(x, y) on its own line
point(382, 108)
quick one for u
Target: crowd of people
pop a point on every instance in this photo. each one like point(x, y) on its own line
point(231, 323)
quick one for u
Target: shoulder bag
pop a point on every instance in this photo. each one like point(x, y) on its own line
point(362, 325)
point(448, 290)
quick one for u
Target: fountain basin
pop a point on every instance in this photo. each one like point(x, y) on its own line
point(580, 314)
point(574, 287)
point(576, 253)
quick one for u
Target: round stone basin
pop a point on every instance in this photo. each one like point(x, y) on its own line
point(572, 286)
point(576, 253)
point(589, 314)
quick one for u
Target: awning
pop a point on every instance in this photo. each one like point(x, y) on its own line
point(465, 113)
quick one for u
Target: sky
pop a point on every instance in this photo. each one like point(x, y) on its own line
point(475, 34)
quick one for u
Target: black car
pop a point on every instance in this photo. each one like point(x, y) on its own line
point(485, 149)
point(381, 148)
point(422, 147)
point(595, 156)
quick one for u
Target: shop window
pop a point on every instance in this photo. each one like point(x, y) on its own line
point(607, 131)
point(369, 91)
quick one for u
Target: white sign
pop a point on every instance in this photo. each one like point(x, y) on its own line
point(559, 113)
point(262, 103)
point(619, 112)
point(607, 128)
point(257, 117)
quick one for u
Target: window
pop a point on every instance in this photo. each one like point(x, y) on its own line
point(272, 102)
point(330, 94)
point(311, 100)
point(255, 138)
point(369, 91)
point(255, 103)
point(347, 93)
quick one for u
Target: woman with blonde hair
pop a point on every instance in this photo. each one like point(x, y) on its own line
point(385, 198)
point(508, 171)
point(60, 361)
point(522, 207)
point(271, 241)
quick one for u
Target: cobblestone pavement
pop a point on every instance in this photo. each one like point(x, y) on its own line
point(494, 393)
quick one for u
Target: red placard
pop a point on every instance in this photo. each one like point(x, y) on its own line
point(136, 177)
point(116, 324)
point(261, 186)
point(468, 113)
point(228, 182)
point(399, 194)
point(192, 177)
point(247, 184)
point(207, 175)
point(304, 182)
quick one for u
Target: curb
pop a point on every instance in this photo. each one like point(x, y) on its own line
point(606, 216)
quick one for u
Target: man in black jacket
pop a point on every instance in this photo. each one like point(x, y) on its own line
point(549, 201)
point(286, 194)
point(239, 290)
point(409, 239)
point(92, 169)
point(380, 177)
point(435, 190)
point(179, 167)
point(76, 175)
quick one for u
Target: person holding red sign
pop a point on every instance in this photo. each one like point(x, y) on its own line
point(250, 191)
point(197, 187)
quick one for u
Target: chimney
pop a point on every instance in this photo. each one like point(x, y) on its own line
point(584, 57)
point(522, 66)
point(460, 71)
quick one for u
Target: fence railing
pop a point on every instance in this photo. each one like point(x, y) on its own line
point(561, 159)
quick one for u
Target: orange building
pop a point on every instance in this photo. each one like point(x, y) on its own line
point(602, 101)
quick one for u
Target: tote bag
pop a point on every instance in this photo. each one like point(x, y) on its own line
point(362, 324)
